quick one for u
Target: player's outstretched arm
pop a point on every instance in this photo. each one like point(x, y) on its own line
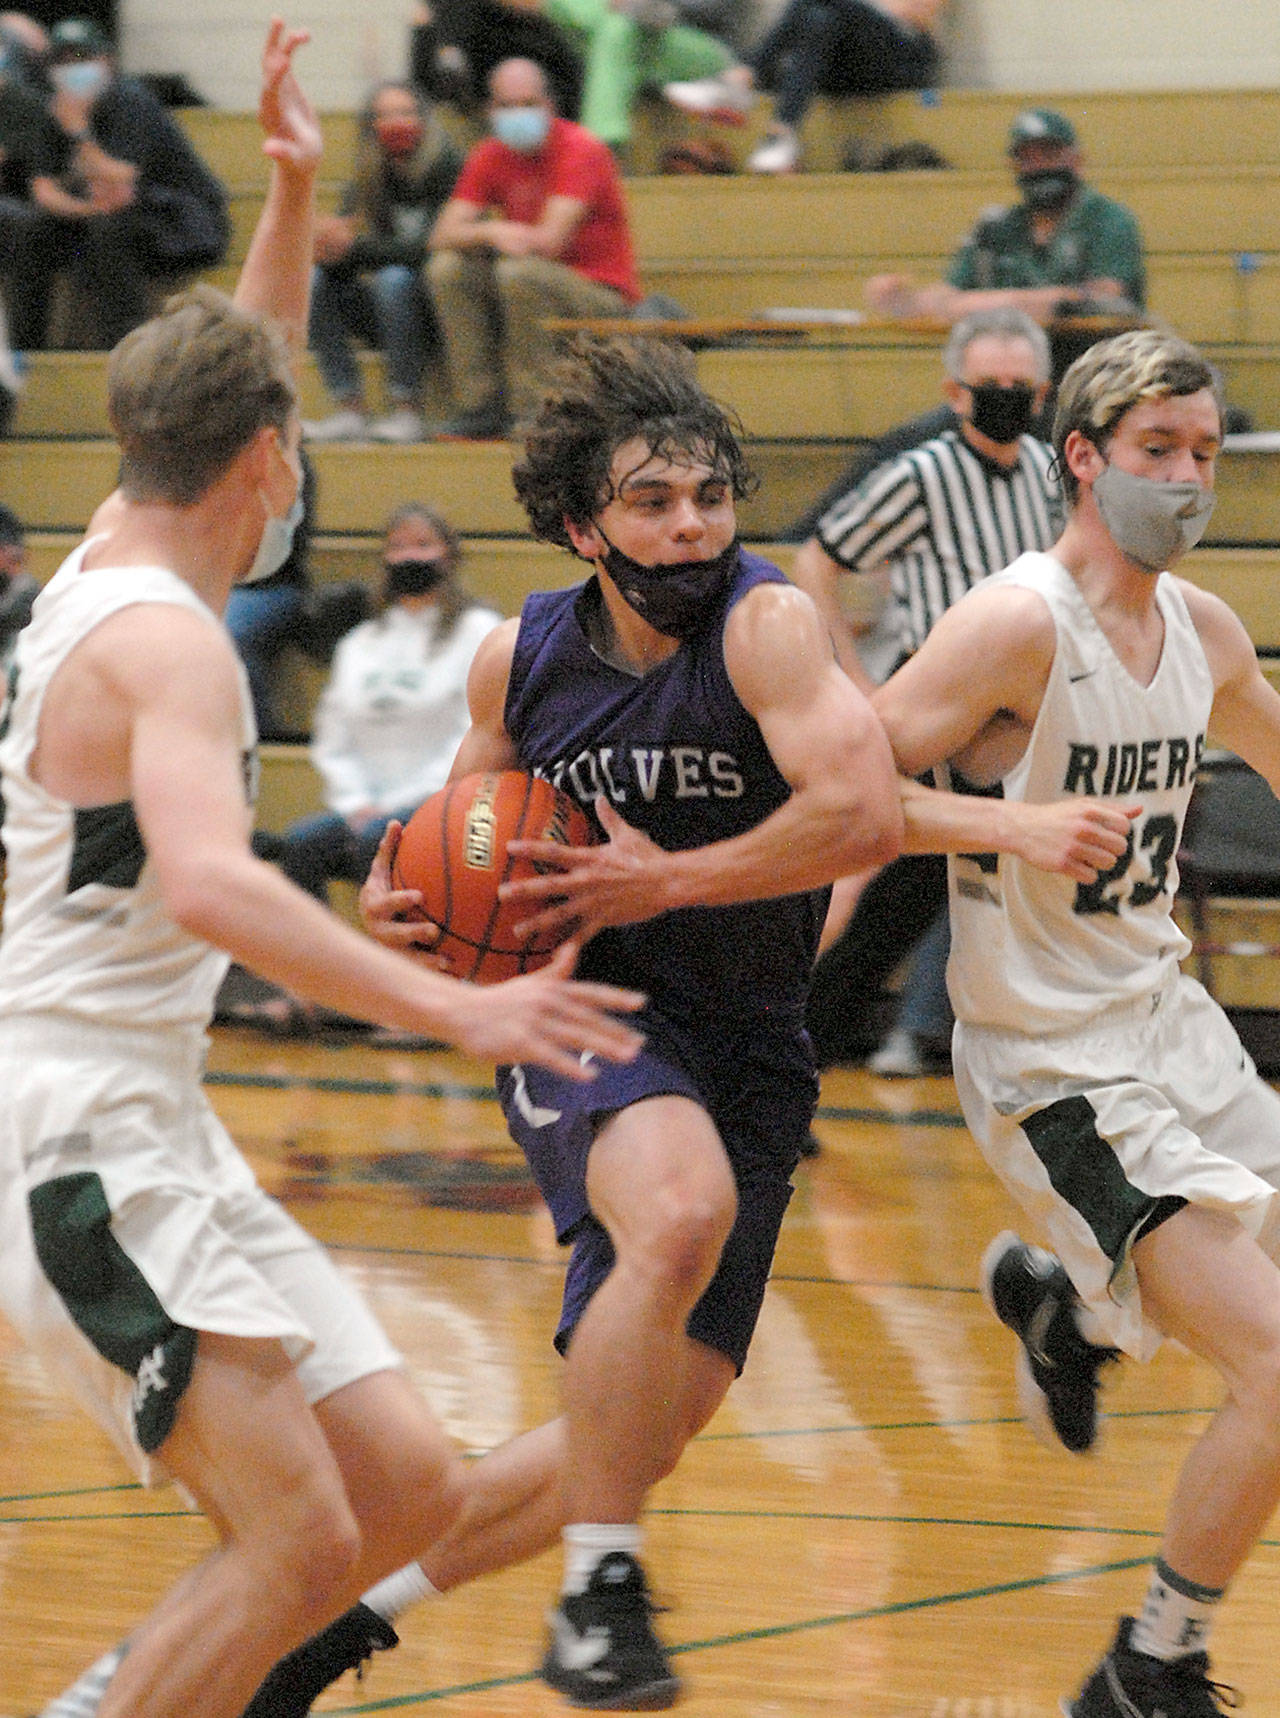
point(843, 812)
point(548, 1017)
point(169, 678)
point(276, 276)
point(1077, 837)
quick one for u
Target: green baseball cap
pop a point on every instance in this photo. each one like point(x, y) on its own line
point(1040, 125)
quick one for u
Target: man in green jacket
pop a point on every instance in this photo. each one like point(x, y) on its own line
point(1063, 247)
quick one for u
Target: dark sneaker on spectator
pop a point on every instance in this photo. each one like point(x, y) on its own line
point(1129, 1684)
point(603, 1654)
point(1029, 1290)
point(303, 1676)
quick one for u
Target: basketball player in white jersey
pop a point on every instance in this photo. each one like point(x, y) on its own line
point(198, 1323)
point(1106, 1089)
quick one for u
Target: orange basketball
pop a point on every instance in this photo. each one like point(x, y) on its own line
point(454, 851)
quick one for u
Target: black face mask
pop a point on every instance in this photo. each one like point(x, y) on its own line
point(1048, 188)
point(413, 578)
point(675, 596)
point(1002, 414)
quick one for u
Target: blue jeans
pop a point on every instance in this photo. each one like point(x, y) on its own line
point(925, 1009)
point(388, 310)
point(839, 47)
point(262, 620)
point(316, 850)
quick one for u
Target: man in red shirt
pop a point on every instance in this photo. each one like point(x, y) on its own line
point(536, 227)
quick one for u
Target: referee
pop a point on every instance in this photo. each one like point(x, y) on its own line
point(937, 518)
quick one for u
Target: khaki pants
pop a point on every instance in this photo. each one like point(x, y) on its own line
point(490, 308)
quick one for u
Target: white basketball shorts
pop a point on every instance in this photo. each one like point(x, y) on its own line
point(129, 1223)
point(1101, 1133)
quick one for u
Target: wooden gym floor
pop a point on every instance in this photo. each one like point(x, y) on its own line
point(866, 1527)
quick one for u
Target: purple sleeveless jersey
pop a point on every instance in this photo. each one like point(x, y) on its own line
point(681, 759)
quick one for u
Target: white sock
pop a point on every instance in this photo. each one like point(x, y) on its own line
point(586, 1542)
point(1175, 1616)
point(83, 1698)
point(394, 1595)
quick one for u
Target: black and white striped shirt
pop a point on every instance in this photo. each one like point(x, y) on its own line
point(941, 518)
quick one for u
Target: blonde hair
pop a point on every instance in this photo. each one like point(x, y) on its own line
point(1113, 376)
point(188, 390)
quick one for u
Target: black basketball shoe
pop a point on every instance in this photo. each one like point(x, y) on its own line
point(1129, 1684)
point(298, 1680)
point(603, 1653)
point(1029, 1290)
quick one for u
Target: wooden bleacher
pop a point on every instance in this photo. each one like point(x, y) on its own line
point(735, 245)
point(1200, 169)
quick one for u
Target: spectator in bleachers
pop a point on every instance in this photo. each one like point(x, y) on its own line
point(394, 709)
point(632, 47)
point(455, 44)
point(18, 588)
point(1063, 247)
point(536, 227)
point(266, 616)
point(24, 48)
point(125, 206)
point(939, 517)
point(31, 154)
point(368, 282)
point(822, 47)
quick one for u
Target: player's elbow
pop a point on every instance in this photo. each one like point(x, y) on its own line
point(195, 894)
point(869, 830)
point(882, 833)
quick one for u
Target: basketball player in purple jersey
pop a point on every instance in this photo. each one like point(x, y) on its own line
point(691, 697)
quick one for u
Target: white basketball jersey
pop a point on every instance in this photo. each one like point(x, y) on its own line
point(1033, 952)
point(85, 932)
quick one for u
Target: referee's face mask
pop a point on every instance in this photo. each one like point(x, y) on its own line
point(996, 388)
point(1002, 414)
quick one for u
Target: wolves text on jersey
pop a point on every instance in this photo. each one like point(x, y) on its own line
point(1133, 766)
point(672, 772)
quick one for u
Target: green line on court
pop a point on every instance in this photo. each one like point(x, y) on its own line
point(487, 1094)
point(70, 1491)
point(102, 1515)
point(774, 1631)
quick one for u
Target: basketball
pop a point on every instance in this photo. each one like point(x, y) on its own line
point(454, 852)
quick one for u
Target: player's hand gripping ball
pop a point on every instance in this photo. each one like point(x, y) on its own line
point(454, 852)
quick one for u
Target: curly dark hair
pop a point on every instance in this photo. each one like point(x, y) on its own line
point(606, 392)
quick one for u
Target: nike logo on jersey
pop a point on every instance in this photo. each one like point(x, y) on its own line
point(1083, 675)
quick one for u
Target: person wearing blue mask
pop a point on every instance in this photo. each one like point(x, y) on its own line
point(127, 206)
point(536, 226)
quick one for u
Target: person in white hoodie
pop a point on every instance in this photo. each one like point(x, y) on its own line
point(394, 709)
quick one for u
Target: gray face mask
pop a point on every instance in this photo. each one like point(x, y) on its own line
point(1153, 523)
point(275, 545)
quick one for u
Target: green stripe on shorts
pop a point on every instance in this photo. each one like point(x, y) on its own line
point(1085, 1171)
point(110, 1300)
